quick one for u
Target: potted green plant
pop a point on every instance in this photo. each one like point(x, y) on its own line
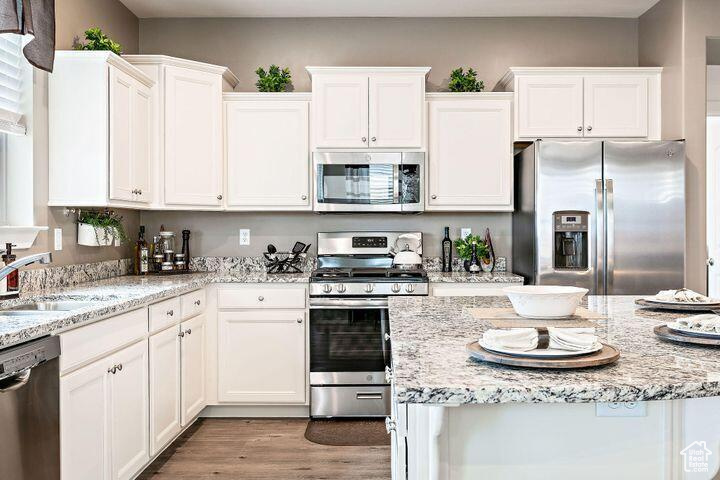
point(273, 80)
point(461, 81)
point(97, 40)
point(100, 228)
point(464, 249)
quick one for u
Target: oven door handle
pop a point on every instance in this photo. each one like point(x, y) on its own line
point(345, 303)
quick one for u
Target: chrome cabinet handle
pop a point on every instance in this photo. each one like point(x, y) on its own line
point(219, 197)
point(580, 128)
point(374, 139)
point(433, 197)
point(390, 425)
point(134, 191)
point(112, 369)
point(589, 128)
point(197, 302)
point(15, 382)
point(119, 367)
point(188, 331)
point(170, 313)
point(139, 192)
point(299, 320)
point(364, 139)
point(303, 197)
point(710, 262)
point(261, 298)
point(181, 334)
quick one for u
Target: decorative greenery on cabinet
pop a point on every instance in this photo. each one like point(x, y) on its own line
point(274, 79)
point(465, 82)
point(97, 40)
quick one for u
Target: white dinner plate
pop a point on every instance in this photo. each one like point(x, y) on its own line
point(710, 301)
point(676, 327)
point(542, 353)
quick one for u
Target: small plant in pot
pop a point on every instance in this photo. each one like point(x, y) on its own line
point(97, 40)
point(273, 80)
point(464, 249)
point(100, 228)
point(465, 81)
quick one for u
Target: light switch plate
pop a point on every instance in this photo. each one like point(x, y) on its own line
point(621, 409)
point(464, 232)
point(244, 237)
point(58, 238)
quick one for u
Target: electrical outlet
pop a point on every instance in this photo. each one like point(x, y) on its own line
point(58, 239)
point(621, 409)
point(244, 237)
point(464, 232)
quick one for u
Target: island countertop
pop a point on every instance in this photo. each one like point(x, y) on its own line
point(431, 365)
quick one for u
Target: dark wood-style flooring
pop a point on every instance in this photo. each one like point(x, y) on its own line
point(263, 449)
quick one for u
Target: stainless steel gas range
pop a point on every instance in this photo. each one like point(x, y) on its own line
point(349, 329)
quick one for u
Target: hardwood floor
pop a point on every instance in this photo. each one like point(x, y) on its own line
point(263, 449)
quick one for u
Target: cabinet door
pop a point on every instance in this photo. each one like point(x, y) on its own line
point(396, 110)
point(340, 111)
point(550, 106)
point(267, 154)
point(84, 423)
point(192, 367)
point(193, 138)
point(141, 142)
point(470, 155)
point(128, 410)
point(616, 106)
point(164, 387)
point(262, 356)
point(121, 131)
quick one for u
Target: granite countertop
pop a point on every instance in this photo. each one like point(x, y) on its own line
point(431, 366)
point(467, 277)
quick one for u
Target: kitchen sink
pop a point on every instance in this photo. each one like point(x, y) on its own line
point(47, 306)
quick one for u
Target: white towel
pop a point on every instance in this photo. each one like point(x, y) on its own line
point(707, 322)
point(682, 295)
point(526, 339)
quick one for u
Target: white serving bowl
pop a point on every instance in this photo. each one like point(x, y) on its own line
point(545, 301)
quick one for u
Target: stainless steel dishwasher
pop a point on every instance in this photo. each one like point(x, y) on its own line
point(30, 410)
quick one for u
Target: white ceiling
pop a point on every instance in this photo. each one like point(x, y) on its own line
point(389, 8)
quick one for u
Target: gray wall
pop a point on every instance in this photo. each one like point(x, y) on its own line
point(490, 45)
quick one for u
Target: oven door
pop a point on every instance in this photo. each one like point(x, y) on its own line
point(349, 341)
point(368, 182)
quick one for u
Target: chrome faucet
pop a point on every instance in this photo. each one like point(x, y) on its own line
point(42, 258)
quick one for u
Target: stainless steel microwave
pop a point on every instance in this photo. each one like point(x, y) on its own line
point(369, 182)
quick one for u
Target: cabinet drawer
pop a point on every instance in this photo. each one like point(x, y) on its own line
point(262, 297)
point(93, 341)
point(163, 314)
point(192, 303)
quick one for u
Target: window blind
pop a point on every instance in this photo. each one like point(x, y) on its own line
point(11, 88)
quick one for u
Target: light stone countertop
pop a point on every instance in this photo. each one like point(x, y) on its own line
point(431, 366)
point(467, 277)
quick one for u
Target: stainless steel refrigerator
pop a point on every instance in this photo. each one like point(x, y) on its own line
point(605, 215)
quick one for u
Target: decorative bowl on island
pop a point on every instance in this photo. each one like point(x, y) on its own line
point(545, 301)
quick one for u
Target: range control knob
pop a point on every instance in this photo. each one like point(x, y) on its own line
point(409, 288)
point(369, 288)
point(341, 288)
point(395, 287)
point(327, 288)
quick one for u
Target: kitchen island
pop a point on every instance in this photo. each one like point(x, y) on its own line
point(461, 418)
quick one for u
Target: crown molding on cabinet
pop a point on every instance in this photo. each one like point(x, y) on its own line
point(506, 81)
point(469, 96)
point(355, 70)
point(265, 96)
point(110, 58)
point(226, 73)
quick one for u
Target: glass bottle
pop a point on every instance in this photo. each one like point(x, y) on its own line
point(13, 279)
point(142, 254)
point(447, 252)
point(474, 261)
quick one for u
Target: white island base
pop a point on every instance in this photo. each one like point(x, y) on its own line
point(530, 441)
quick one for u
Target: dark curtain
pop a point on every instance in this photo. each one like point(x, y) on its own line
point(36, 18)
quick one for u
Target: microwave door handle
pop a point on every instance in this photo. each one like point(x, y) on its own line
point(396, 183)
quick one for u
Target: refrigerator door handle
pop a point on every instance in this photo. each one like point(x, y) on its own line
point(610, 234)
point(598, 242)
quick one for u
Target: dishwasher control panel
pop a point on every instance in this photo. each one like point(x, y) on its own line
point(28, 355)
point(23, 361)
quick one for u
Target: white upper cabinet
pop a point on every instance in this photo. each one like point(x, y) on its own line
point(550, 106)
point(364, 107)
point(112, 101)
point(470, 152)
point(267, 151)
point(189, 173)
point(622, 102)
point(616, 106)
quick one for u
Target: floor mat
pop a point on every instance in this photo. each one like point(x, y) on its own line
point(348, 432)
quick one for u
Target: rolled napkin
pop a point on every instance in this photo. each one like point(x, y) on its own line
point(707, 322)
point(681, 295)
point(526, 339)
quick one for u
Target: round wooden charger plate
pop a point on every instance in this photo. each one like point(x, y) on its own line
point(607, 355)
point(665, 333)
point(678, 307)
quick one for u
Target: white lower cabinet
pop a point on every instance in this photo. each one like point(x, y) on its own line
point(164, 387)
point(104, 417)
point(192, 368)
point(261, 356)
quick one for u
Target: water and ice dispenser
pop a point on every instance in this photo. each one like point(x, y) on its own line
point(570, 234)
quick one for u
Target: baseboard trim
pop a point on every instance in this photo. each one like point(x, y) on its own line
point(256, 411)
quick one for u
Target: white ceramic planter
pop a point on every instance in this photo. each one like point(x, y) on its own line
point(94, 237)
point(540, 301)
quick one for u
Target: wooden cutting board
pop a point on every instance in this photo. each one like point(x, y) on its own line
point(607, 355)
point(507, 318)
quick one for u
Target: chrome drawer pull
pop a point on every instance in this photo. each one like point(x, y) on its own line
point(369, 396)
